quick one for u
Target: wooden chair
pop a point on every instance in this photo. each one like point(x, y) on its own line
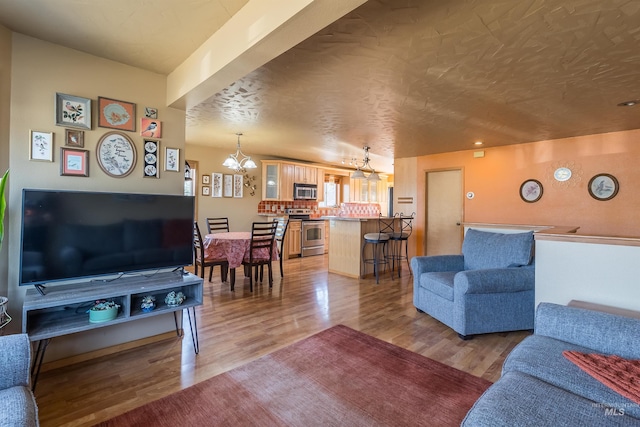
point(262, 240)
point(281, 231)
point(218, 225)
point(199, 259)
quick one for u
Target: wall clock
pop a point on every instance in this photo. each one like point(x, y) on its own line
point(116, 154)
point(151, 151)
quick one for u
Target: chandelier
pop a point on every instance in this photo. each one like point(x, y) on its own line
point(359, 173)
point(239, 162)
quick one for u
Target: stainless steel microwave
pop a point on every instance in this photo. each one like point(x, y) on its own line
point(305, 192)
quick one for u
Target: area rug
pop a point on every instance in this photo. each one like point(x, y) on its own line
point(338, 377)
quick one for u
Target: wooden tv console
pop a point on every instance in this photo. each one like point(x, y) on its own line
point(62, 310)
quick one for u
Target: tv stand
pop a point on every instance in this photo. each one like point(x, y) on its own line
point(62, 309)
point(40, 289)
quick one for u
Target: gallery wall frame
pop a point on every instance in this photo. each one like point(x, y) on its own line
point(41, 146)
point(172, 159)
point(531, 190)
point(74, 162)
point(73, 111)
point(227, 185)
point(74, 138)
point(238, 185)
point(116, 114)
point(603, 186)
point(217, 184)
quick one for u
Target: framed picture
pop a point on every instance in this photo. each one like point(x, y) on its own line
point(151, 155)
point(172, 159)
point(41, 146)
point(116, 154)
point(205, 191)
point(150, 128)
point(217, 185)
point(531, 190)
point(116, 114)
point(74, 162)
point(74, 138)
point(237, 186)
point(227, 186)
point(73, 111)
point(206, 179)
point(151, 112)
point(603, 187)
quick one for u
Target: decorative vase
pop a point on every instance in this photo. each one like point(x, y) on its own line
point(148, 303)
point(103, 311)
point(174, 299)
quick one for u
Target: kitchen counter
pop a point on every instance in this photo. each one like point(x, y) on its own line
point(345, 257)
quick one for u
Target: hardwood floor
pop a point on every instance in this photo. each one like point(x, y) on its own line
point(235, 328)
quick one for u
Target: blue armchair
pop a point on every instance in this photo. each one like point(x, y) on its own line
point(489, 288)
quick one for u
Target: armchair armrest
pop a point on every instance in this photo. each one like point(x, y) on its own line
point(495, 280)
point(426, 264)
point(603, 332)
point(15, 360)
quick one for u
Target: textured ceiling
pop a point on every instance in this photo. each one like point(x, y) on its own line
point(404, 77)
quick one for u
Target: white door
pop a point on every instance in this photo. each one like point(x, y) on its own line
point(444, 212)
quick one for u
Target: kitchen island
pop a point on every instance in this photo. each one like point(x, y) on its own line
point(345, 254)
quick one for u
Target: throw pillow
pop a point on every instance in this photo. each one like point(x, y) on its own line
point(620, 375)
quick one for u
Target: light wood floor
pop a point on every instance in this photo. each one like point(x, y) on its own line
point(235, 328)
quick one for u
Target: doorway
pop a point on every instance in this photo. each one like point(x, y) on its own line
point(444, 207)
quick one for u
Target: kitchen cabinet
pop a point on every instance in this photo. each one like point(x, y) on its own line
point(320, 185)
point(364, 191)
point(293, 244)
point(306, 174)
point(270, 180)
point(287, 178)
point(326, 236)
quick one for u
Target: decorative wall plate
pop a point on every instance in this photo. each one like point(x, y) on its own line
point(531, 190)
point(116, 154)
point(603, 187)
point(151, 151)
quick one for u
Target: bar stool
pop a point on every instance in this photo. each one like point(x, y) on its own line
point(378, 241)
point(406, 227)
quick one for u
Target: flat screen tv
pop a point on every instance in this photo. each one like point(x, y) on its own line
point(68, 235)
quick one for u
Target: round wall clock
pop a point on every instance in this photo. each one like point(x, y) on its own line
point(116, 154)
point(562, 174)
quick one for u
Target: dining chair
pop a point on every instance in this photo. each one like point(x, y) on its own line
point(400, 236)
point(201, 261)
point(260, 251)
point(281, 231)
point(218, 225)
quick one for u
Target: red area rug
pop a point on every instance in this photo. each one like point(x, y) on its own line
point(620, 375)
point(338, 377)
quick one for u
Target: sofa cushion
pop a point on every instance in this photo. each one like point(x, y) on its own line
point(521, 400)
point(18, 407)
point(482, 249)
point(440, 283)
point(541, 357)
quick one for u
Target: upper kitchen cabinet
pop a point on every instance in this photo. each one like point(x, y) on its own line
point(287, 178)
point(365, 191)
point(270, 180)
point(306, 174)
point(320, 185)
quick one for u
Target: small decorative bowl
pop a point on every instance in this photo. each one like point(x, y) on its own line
point(174, 299)
point(148, 303)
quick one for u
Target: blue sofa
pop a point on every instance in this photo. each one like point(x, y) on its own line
point(17, 404)
point(540, 387)
point(489, 288)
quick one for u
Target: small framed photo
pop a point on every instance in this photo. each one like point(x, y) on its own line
point(74, 138)
point(603, 187)
point(150, 128)
point(73, 111)
point(172, 159)
point(151, 112)
point(41, 146)
point(205, 191)
point(227, 186)
point(206, 179)
point(531, 191)
point(116, 114)
point(74, 162)
point(237, 186)
point(217, 185)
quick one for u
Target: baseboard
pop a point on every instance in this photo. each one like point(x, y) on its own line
point(55, 364)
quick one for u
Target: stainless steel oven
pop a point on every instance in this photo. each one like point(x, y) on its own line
point(312, 237)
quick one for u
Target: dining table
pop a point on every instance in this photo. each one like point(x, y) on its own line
point(235, 247)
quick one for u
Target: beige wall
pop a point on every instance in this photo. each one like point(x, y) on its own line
point(39, 70)
point(496, 178)
point(240, 211)
point(5, 107)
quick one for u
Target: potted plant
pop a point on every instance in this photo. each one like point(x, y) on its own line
point(103, 311)
point(3, 204)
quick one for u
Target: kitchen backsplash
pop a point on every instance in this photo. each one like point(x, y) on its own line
point(349, 210)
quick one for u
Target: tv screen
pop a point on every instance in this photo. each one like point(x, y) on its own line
point(73, 234)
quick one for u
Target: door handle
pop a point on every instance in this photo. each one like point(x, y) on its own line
point(458, 224)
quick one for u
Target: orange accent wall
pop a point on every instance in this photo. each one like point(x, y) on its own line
point(496, 178)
